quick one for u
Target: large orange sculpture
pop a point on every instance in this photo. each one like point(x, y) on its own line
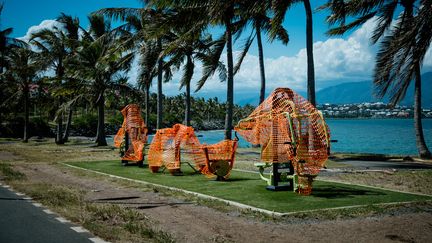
point(289, 129)
point(133, 132)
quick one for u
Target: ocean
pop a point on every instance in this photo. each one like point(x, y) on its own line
point(378, 136)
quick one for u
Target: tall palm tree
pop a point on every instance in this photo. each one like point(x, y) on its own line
point(102, 56)
point(22, 73)
point(53, 46)
point(185, 51)
point(147, 63)
point(404, 43)
point(280, 7)
point(257, 12)
point(148, 31)
point(6, 44)
point(222, 13)
point(72, 27)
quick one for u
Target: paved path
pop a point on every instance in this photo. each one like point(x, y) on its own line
point(21, 221)
point(361, 164)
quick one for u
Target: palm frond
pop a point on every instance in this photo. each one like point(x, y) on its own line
point(247, 44)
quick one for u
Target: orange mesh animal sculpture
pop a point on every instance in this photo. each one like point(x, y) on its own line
point(133, 131)
point(165, 147)
point(210, 160)
point(218, 159)
point(289, 129)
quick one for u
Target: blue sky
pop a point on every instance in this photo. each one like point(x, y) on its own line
point(348, 58)
point(22, 14)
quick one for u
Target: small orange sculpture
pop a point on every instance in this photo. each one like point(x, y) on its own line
point(133, 131)
point(169, 144)
point(166, 144)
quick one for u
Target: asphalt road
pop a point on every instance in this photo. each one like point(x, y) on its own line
point(21, 221)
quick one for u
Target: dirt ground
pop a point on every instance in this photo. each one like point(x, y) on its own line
point(188, 222)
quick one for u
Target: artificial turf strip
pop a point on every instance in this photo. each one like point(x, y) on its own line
point(248, 189)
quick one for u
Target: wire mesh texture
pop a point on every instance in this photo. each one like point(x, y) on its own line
point(136, 130)
point(289, 129)
point(172, 145)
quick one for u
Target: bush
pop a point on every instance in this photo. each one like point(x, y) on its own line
point(85, 125)
point(39, 127)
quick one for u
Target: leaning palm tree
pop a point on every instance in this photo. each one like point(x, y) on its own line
point(22, 73)
point(280, 8)
point(404, 43)
point(101, 58)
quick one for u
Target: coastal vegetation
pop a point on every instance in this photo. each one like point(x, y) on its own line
point(70, 72)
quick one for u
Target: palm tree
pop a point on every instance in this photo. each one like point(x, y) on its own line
point(72, 27)
point(22, 73)
point(280, 7)
point(185, 50)
point(147, 63)
point(6, 45)
point(150, 37)
point(217, 13)
point(98, 63)
point(404, 44)
point(256, 12)
point(53, 46)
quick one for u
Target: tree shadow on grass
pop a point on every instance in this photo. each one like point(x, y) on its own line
point(331, 192)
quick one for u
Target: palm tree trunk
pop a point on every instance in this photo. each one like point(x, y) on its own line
point(261, 63)
point(26, 114)
point(59, 135)
point(59, 132)
point(159, 90)
point(309, 51)
point(100, 136)
point(68, 124)
point(187, 105)
point(230, 82)
point(147, 106)
point(420, 141)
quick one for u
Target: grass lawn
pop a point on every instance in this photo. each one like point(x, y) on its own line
point(248, 189)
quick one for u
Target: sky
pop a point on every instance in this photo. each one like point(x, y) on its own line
point(348, 58)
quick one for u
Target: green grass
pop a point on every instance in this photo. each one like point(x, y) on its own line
point(247, 188)
point(10, 174)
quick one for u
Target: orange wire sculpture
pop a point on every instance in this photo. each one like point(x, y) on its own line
point(169, 143)
point(219, 159)
point(165, 147)
point(289, 129)
point(134, 130)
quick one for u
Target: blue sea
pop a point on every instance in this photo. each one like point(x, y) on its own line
point(379, 136)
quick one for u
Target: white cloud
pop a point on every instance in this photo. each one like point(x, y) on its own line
point(337, 60)
point(46, 24)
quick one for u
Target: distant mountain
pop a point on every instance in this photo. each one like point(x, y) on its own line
point(354, 92)
point(358, 92)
